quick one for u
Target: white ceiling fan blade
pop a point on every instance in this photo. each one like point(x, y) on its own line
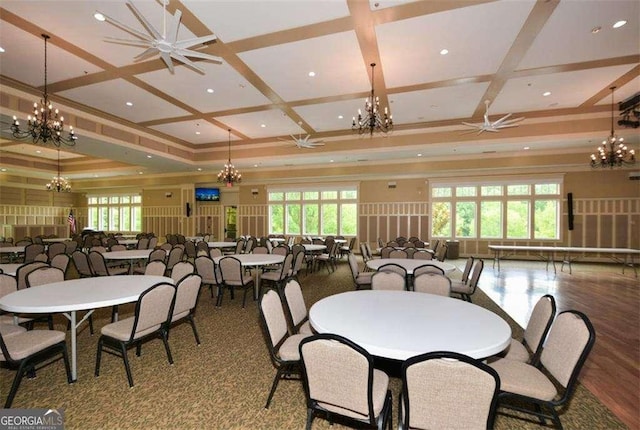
point(188, 43)
point(147, 25)
point(501, 126)
point(512, 121)
point(128, 29)
point(196, 54)
point(174, 26)
point(149, 52)
point(471, 125)
point(502, 119)
point(128, 42)
point(491, 130)
point(167, 60)
point(186, 61)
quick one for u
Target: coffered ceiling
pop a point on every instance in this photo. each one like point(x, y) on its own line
point(508, 52)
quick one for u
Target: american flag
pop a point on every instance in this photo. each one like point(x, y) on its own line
point(72, 222)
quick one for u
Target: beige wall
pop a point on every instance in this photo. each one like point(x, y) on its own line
point(606, 207)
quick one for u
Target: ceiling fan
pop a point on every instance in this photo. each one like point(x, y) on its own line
point(165, 43)
point(304, 143)
point(494, 126)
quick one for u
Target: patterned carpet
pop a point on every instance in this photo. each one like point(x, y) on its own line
point(222, 384)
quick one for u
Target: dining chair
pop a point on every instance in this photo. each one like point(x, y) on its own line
point(81, 262)
point(427, 268)
point(151, 319)
point(209, 273)
point(61, 261)
point(155, 268)
point(100, 268)
point(529, 349)
point(391, 281)
point(283, 347)
point(56, 248)
point(466, 291)
point(340, 380)
point(24, 270)
point(432, 283)
point(181, 269)
point(298, 315)
point(70, 246)
point(174, 257)
point(31, 250)
point(550, 383)
point(276, 278)
point(360, 279)
point(441, 253)
point(422, 254)
point(8, 285)
point(386, 251)
point(464, 280)
point(447, 390)
point(187, 293)
point(25, 350)
point(233, 276)
point(398, 253)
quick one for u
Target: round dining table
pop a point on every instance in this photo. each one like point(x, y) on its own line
point(68, 297)
point(398, 325)
point(410, 264)
point(255, 260)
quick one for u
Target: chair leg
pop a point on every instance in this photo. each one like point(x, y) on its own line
point(16, 383)
point(220, 294)
point(67, 367)
point(165, 339)
point(276, 380)
point(244, 297)
point(125, 359)
point(310, 416)
point(193, 327)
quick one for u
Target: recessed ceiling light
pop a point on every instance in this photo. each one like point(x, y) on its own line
point(419, 155)
point(312, 74)
point(596, 30)
point(99, 16)
point(38, 152)
point(263, 125)
point(139, 173)
point(444, 52)
point(198, 133)
point(526, 148)
point(340, 117)
point(255, 165)
point(199, 169)
point(3, 169)
point(1, 49)
point(619, 23)
point(149, 156)
point(129, 104)
point(210, 90)
point(330, 161)
point(546, 93)
point(95, 176)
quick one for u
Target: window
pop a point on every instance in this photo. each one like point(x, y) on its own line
point(115, 212)
point(516, 210)
point(313, 212)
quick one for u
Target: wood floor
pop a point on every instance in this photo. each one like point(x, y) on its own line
point(611, 301)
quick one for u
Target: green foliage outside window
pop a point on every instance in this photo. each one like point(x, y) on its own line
point(348, 217)
point(518, 219)
point(466, 219)
point(329, 219)
point(491, 219)
point(441, 219)
point(546, 219)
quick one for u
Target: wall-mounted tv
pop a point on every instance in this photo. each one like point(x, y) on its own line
point(207, 194)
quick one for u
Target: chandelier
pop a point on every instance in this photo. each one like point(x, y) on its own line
point(45, 125)
point(58, 183)
point(613, 152)
point(229, 174)
point(372, 121)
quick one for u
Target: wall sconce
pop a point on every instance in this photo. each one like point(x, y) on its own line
point(254, 192)
point(168, 195)
point(391, 185)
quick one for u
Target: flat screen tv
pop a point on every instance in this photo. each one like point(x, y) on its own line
point(207, 194)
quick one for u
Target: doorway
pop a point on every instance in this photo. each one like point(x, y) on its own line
point(230, 219)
